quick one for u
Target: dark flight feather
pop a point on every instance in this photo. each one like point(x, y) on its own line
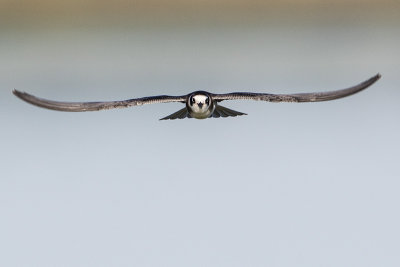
point(180, 114)
point(94, 106)
point(302, 97)
point(221, 111)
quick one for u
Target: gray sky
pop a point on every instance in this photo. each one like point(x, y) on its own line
point(288, 185)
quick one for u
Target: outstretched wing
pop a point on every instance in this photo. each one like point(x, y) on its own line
point(304, 97)
point(93, 106)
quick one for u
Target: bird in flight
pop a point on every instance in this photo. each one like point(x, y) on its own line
point(199, 104)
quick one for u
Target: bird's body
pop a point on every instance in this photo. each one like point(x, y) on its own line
point(199, 104)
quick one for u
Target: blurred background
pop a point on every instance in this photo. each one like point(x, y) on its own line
point(312, 184)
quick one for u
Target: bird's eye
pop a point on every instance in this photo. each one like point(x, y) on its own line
point(192, 100)
point(207, 101)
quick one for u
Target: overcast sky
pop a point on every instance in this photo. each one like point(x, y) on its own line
point(312, 184)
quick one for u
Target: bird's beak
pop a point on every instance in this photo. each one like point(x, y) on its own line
point(200, 105)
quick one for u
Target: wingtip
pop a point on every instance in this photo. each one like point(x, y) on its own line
point(17, 93)
point(371, 80)
point(376, 76)
point(21, 95)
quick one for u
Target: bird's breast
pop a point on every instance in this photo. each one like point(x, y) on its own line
point(201, 113)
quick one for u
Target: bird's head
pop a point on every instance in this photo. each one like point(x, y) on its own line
point(199, 102)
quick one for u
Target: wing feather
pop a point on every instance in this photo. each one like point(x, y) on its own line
point(302, 97)
point(221, 111)
point(180, 114)
point(93, 106)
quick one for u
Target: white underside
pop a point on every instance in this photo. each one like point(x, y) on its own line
point(201, 115)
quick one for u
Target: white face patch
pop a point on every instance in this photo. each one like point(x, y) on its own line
point(200, 98)
point(200, 105)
